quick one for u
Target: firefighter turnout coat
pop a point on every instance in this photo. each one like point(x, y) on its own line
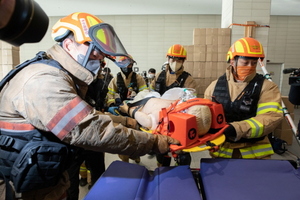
point(49, 99)
point(189, 82)
point(268, 116)
point(113, 89)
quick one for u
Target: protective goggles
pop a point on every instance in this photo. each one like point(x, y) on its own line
point(106, 40)
point(176, 58)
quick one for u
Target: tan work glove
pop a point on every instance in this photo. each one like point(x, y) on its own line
point(125, 121)
point(124, 107)
point(162, 143)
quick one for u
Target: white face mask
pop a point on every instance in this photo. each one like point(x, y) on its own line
point(92, 65)
point(151, 75)
point(175, 66)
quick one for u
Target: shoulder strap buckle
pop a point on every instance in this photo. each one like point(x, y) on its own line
point(6, 141)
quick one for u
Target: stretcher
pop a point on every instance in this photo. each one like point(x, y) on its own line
point(130, 181)
point(246, 179)
point(183, 126)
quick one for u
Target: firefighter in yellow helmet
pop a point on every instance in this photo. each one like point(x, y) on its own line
point(252, 104)
point(42, 108)
point(174, 74)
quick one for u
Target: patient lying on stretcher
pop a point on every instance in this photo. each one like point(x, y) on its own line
point(147, 114)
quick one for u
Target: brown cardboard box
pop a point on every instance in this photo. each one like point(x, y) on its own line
point(199, 86)
point(212, 36)
point(199, 36)
point(200, 68)
point(221, 68)
point(224, 36)
point(285, 134)
point(284, 124)
point(222, 52)
point(199, 52)
point(288, 104)
point(211, 69)
point(189, 66)
point(16, 56)
point(208, 81)
point(211, 52)
point(190, 52)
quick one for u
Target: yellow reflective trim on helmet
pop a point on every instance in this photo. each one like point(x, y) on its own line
point(239, 47)
point(177, 50)
point(256, 127)
point(250, 48)
point(92, 21)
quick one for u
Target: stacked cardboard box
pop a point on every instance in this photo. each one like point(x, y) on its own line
point(9, 57)
point(284, 130)
point(206, 58)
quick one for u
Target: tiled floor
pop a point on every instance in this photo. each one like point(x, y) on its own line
point(150, 162)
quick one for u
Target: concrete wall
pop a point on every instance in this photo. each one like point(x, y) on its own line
point(148, 37)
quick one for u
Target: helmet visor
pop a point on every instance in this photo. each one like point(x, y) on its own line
point(107, 41)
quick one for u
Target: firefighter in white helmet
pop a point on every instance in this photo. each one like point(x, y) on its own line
point(44, 102)
point(252, 104)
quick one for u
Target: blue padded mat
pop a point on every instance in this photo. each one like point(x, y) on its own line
point(131, 182)
point(244, 179)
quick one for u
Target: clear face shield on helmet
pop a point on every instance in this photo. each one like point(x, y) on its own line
point(105, 40)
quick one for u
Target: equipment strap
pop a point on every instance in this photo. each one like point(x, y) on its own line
point(39, 56)
point(189, 103)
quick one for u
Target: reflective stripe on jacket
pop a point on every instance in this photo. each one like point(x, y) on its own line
point(249, 151)
point(113, 89)
point(269, 115)
point(51, 100)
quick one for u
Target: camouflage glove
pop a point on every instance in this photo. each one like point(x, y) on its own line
point(162, 143)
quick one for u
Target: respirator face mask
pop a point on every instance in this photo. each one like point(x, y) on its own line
point(244, 66)
point(175, 63)
point(91, 65)
point(175, 66)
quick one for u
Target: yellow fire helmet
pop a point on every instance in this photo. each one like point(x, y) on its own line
point(177, 51)
point(89, 28)
point(79, 23)
point(247, 47)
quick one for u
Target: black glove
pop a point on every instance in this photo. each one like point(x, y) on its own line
point(118, 101)
point(230, 133)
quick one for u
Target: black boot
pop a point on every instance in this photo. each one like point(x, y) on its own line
point(184, 158)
